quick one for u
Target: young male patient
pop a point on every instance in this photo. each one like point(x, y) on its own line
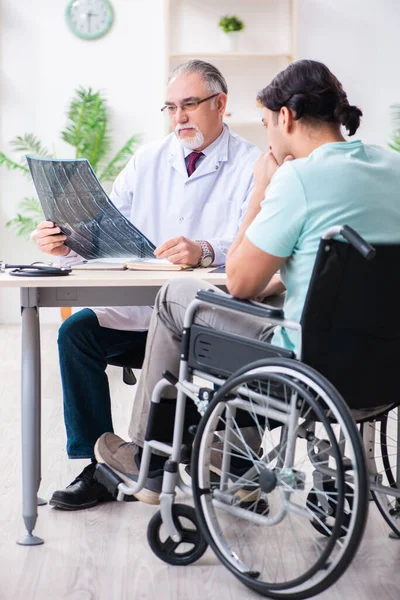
point(311, 180)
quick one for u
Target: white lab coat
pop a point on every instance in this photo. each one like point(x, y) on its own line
point(155, 193)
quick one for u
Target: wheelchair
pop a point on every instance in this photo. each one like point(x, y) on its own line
point(290, 444)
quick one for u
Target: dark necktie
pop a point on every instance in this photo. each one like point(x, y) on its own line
point(193, 158)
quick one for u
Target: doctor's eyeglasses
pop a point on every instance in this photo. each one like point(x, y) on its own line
point(188, 106)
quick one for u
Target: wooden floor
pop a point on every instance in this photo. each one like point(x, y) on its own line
point(102, 553)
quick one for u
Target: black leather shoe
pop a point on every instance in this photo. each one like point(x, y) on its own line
point(83, 492)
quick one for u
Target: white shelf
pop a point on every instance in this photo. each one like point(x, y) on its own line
point(265, 47)
point(230, 55)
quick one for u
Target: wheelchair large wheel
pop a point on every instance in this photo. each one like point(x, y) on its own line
point(387, 468)
point(281, 435)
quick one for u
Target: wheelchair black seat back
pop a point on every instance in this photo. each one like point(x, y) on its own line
point(350, 328)
point(350, 333)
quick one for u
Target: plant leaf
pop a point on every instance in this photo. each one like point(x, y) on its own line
point(395, 144)
point(86, 129)
point(29, 144)
point(12, 165)
point(116, 164)
point(31, 206)
point(395, 108)
point(24, 224)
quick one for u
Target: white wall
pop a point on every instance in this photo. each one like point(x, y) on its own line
point(359, 41)
point(42, 62)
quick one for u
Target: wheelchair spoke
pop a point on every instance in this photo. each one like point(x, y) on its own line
point(251, 454)
point(285, 511)
point(255, 417)
point(281, 561)
point(386, 468)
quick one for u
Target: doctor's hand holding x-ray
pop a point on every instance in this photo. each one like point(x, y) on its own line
point(49, 239)
point(179, 250)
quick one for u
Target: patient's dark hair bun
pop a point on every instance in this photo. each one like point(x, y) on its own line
point(349, 116)
point(313, 93)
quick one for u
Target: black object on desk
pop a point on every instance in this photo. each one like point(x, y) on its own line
point(35, 270)
point(220, 269)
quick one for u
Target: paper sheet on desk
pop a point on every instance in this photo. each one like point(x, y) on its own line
point(119, 264)
point(72, 197)
point(156, 264)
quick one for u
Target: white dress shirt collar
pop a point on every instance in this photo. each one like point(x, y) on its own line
point(209, 149)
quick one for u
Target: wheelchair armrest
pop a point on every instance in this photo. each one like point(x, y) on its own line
point(249, 307)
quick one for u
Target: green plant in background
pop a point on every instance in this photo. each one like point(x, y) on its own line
point(88, 132)
point(231, 23)
point(395, 143)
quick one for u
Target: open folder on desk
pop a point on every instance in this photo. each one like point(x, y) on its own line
point(115, 264)
point(72, 198)
point(156, 264)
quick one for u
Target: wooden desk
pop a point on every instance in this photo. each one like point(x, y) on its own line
point(80, 288)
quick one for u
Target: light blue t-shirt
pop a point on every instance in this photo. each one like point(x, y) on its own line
point(340, 183)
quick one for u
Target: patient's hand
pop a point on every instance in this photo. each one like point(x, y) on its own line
point(265, 167)
point(274, 288)
point(49, 239)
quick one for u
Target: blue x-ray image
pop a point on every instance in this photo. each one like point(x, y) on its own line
point(72, 197)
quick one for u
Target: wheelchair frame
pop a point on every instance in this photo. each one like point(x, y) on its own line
point(202, 396)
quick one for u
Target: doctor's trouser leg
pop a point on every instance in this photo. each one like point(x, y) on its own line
point(163, 351)
point(84, 347)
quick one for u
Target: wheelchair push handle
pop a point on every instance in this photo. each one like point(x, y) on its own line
point(354, 238)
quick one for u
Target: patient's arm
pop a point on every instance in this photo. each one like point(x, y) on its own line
point(249, 269)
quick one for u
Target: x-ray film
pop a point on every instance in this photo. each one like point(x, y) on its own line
point(72, 197)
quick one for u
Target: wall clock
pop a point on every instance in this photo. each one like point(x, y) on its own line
point(89, 19)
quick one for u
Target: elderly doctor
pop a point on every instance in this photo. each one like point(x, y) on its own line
point(187, 194)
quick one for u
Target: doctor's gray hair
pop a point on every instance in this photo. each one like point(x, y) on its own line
point(213, 79)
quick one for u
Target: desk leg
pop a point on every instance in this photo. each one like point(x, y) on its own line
point(40, 501)
point(30, 419)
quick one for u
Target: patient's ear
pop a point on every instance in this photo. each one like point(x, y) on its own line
point(286, 119)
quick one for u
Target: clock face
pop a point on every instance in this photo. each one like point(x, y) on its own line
point(89, 19)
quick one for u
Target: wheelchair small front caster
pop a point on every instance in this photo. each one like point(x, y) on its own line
point(192, 545)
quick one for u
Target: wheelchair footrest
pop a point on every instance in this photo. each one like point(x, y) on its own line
point(106, 476)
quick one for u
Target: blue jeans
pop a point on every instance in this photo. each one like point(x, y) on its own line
point(84, 348)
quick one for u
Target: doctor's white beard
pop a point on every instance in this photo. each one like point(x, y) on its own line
point(194, 142)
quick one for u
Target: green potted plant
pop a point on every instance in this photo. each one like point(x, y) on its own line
point(87, 130)
point(395, 143)
point(230, 26)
